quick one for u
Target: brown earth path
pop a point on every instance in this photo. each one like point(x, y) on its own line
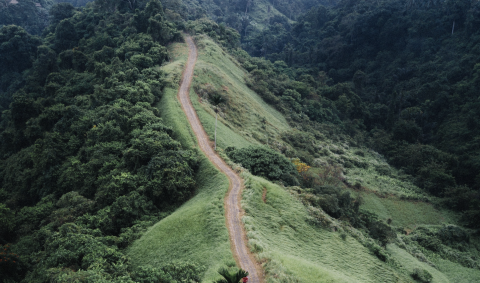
point(233, 209)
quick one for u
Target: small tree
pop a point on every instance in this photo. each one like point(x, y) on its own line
point(231, 277)
point(216, 99)
point(301, 167)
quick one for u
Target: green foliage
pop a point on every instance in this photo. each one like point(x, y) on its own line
point(226, 36)
point(449, 242)
point(28, 14)
point(17, 49)
point(264, 162)
point(6, 222)
point(248, 17)
point(173, 272)
point(421, 275)
point(75, 247)
point(375, 71)
point(61, 11)
point(231, 276)
point(86, 161)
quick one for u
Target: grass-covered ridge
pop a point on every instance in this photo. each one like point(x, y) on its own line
point(196, 231)
point(279, 231)
point(284, 230)
point(245, 114)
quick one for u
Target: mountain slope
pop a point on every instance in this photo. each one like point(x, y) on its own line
point(196, 231)
point(282, 226)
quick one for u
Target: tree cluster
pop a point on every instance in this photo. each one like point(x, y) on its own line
point(400, 79)
point(86, 163)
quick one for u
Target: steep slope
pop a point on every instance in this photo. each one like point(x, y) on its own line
point(282, 231)
point(232, 201)
point(246, 117)
point(280, 228)
point(277, 230)
point(196, 231)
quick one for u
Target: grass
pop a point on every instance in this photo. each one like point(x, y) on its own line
point(384, 192)
point(226, 136)
point(279, 232)
point(405, 213)
point(390, 195)
point(457, 273)
point(246, 119)
point(408, 262)
point(195, 232)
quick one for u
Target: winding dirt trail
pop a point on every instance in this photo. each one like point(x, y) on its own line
point(233, 209)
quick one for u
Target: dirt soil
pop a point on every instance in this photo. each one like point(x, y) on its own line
point(233, 209)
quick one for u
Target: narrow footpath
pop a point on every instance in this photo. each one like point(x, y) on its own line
point(233, 209)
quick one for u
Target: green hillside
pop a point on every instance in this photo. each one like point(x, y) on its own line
point(281, 224)
point(196, 231)
point(355, 134)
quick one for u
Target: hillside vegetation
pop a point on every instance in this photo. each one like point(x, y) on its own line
point(355, 135)
point(398, 76)
point(196, 231)
point(87, 162)
point(298, 242)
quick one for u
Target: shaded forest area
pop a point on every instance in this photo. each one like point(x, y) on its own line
point(399, 77)
point(86, 163)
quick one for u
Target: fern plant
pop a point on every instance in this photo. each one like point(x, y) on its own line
point(231, 277)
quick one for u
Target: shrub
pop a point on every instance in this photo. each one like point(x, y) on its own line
point(430, 243)
point(381, 232)
point(377, 251)
point(453, 235)
point(264, 162)
point(421, 275)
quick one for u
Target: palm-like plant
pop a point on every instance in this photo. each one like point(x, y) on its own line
point(231, 277)
point(216, 100)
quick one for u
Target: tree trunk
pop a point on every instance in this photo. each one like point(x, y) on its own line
point(216, 115)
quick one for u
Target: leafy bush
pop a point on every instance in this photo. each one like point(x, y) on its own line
point(431, 243)
point(378, 251)
point(231, 276)
point(421, 275)
point(264, 162)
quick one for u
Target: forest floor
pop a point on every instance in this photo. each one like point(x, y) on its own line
point(232, 201)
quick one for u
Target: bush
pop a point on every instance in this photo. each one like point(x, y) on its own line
point(430, 243)
point(264, 162)
point(377, 251)
point(453, 235)
point(421, 275)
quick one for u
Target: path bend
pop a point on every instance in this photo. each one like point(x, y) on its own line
point(233, 209)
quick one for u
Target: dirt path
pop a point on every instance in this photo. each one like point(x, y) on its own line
point(233, 209)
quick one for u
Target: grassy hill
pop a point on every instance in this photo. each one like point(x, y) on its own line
point(281, 226)
point(196, 232)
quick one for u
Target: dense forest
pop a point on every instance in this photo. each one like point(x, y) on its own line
point(86, 163)
point(397, 77)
